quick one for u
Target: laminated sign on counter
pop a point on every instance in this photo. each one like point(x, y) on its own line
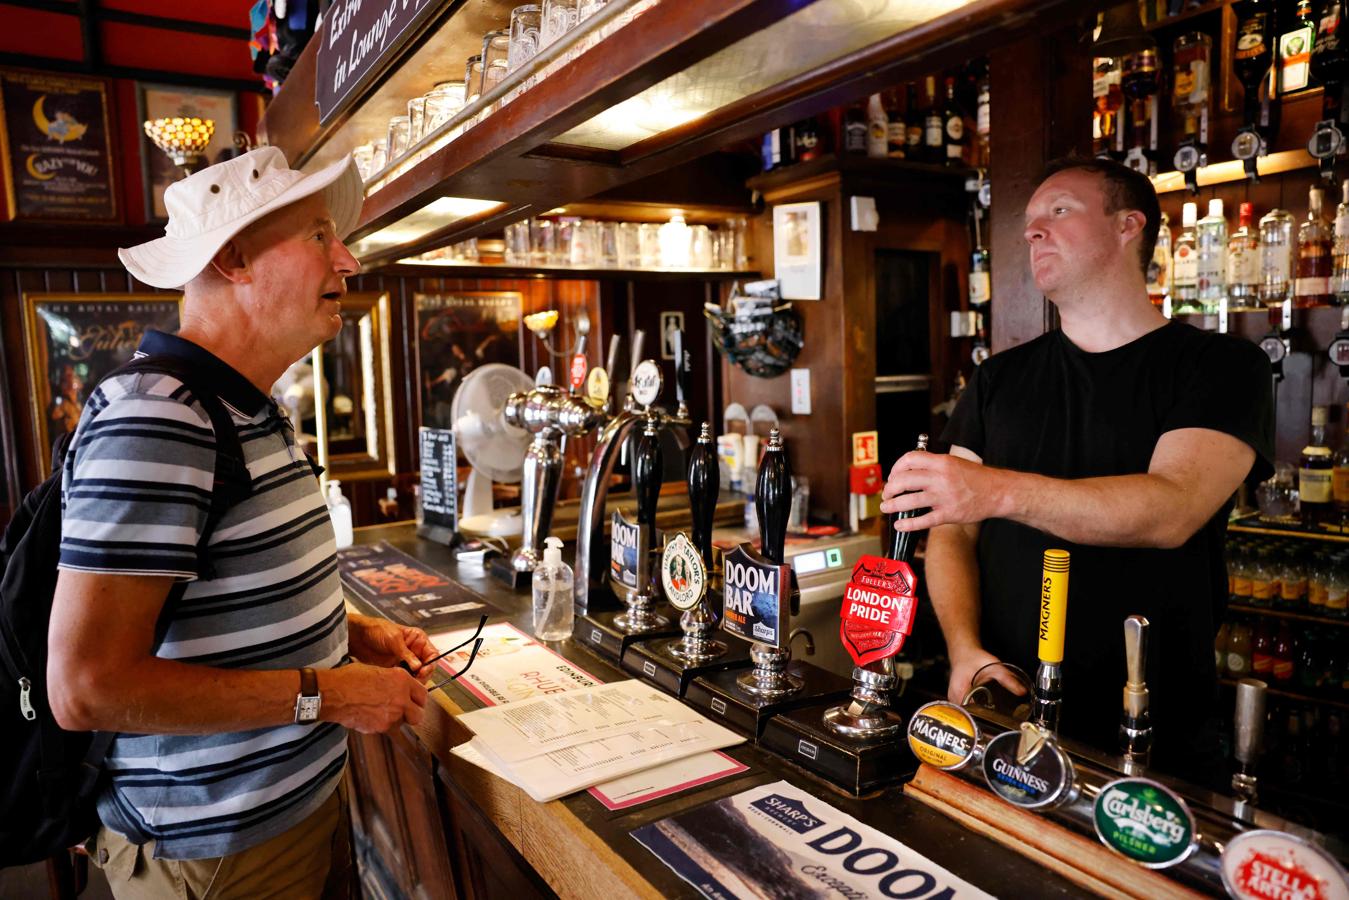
point(776, 840)
point(406, 590)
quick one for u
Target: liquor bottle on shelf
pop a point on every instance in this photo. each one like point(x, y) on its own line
point(1262, 651)
point(1185, 264)
point(1278, 249)
point(953, 123)
point(934, 141)
point(1283, 667)
point(1339, 273)
point(1339, 475)
point(877, 127)
point(913, 123)
point(1109, 99)
point(1243, 262)
point(855, 131)
point(1239, 650)
point(1190, 85)
point(1292, 571)
point(1254, 52)
point(1315, 256)
point(896, 133)
point(981, 290)
point(1329, 55)
point(1210, 235)
point(1264, 580)
point(1314, 472)
point(808, 140)
point(1140, 87)
point(1159, 269)
point(1318, 582)
point(1295, 50)
point(982, 130)
point(1220, 647)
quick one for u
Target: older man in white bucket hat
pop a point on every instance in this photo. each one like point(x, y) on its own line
point(231, 714)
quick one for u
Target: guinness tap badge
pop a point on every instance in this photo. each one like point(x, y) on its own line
point(1044, 780)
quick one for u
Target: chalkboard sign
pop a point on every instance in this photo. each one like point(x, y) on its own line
point(356, 38)
point(440, 485)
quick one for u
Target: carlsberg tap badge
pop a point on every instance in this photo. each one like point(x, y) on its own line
point(1144, 821)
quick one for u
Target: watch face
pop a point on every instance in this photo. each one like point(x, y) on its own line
point(307, 709)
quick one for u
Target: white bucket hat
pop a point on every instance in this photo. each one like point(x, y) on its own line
point(209, 207)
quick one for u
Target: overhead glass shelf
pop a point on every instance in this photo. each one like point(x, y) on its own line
point(432, 217)
point(805, 40)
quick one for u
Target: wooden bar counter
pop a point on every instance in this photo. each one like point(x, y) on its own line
point(434, 825)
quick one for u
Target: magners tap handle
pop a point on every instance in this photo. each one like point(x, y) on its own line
point(704, 480)
point(773, 498)
point(1048, 692)
point(903, 543)
point(646, 474)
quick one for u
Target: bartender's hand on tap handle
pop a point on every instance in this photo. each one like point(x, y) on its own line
point(966, 663)
point(955, 487)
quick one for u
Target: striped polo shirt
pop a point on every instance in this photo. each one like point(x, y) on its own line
point(135, 493)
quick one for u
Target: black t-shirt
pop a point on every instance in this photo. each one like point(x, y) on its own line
point(1050, 408)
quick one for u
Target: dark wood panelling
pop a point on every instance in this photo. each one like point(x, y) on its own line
point(1040, 110)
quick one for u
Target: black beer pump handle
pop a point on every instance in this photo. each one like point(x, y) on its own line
point(902, 544)
point(704, 486)
point(646, 473)
point(683, 362)
point(773, 498)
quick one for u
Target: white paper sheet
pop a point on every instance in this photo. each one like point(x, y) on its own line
point(531, 728)
point(511, 666)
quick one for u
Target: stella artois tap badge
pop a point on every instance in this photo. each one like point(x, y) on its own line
point(878, 608)
point(682, 574)
point(1273, 865)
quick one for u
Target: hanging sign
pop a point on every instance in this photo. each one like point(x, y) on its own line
point(357, 38)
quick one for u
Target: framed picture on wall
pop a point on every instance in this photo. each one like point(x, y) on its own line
point(796, 250)
point(456, 333)
point(55, 148)
point(72, 341)
point(158, 101)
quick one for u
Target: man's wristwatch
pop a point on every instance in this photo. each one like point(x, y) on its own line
point(309, 700)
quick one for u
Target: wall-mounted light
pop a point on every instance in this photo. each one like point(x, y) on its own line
point(183, 138)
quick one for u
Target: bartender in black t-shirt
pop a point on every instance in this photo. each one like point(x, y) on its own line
point(1120, 437)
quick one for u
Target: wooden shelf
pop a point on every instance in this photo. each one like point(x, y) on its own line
point(891, 170)
point(1256, 526)
point(1277, 613)
point(514, 158)
point(1188, 15)
point(563, 273)
point(1293, 695)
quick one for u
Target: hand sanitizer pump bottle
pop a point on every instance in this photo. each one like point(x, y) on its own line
point(553, 609)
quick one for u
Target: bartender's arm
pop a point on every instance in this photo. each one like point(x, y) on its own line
point(1193, 471)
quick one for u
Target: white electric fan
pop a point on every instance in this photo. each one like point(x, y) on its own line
point(495, 449)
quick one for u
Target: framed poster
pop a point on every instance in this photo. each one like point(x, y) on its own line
point(796, 250)
point(456, 333)
point(157, 101)
point(55, 148)
point(73, 340)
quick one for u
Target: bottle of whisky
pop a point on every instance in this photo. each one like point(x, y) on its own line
point(1315, 471)
point(1243, 262)
point(1339, 276)
point(1190, 87)
point(1315, 257)
point(1106, 91)
point(981, 121)
point(980, 286)
point(1339, 475)
point(953, 122)
point(934, 141)
point(855, 131)
point(913, 123)
point(1253, 54)
point(896, 132)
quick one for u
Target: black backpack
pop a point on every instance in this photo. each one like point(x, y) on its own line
point(52, 776)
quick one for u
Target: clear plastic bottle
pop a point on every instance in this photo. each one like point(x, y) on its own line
point(1339, 278)
point(1243, 262)
point(553, 587)
point(1159, 270)
point(339, 508)
point(1211, 241)
point(1277, 251)
point(1185, 270)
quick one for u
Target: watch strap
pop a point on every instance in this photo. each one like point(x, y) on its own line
point(309, 683)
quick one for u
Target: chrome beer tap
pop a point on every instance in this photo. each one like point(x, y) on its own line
point(1249, 725)
point(698, 622)
point(646, 471)
point(1135, 729)
point(550, 413)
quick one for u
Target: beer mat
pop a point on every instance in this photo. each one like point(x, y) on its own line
point(777, 840)
point(513, 666)
point(406, 590)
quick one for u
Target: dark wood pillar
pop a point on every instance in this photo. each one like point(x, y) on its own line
point(1041, 109)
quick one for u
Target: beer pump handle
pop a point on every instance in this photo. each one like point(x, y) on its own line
point(638, 339)
point(683, 362)
point(1053, 606)
point(1136, 724)
point(901, 544)
point(1136, 650)
point(704, 480)
point(773, 498)
point(581, 342)
point(646, 473)
point(611, 361)
point(1249, 721)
